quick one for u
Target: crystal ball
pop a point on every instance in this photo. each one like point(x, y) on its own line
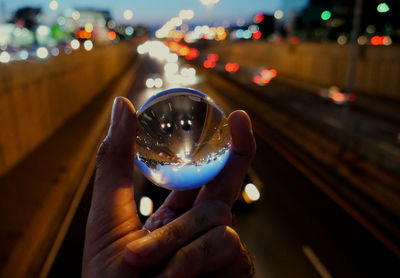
point(183, 139)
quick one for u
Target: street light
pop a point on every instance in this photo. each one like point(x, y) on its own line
point(209, 3)
point(53, 5)
point(76, 15)
point(128, 14)
point(326, 15)
point(383, 8)
point(186, 14)
point(278, 14)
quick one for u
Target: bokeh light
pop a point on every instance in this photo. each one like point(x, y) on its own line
point(42, 52)
point(383, 8)
point(55, 51)
point(88, 45)
point(251, 193)
point(53, 5)
point(186, 14)
point(129, 31)
point(278, 14)
point(326, 15)
point(5, 57)
point(75, 44)
point(209, 2)
point(145, 206)
point(76, 15)
point(128, 14)
point(258, 18)
point(89, 27)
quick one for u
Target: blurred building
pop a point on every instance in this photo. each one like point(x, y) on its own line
point(80, 17)
point(267, 25)
point(26, 17)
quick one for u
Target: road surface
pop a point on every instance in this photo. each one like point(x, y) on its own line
point(294, 230)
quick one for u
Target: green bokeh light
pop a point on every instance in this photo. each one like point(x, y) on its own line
point(383, 8)
point(326, 15)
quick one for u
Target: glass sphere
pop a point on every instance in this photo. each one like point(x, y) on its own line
point(183, 139)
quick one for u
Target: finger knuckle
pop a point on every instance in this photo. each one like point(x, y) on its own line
point(246, 264)
point(221, 212)
point(104, 149)
point(173, 232)
point(231, 237)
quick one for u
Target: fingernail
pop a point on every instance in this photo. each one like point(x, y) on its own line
point(143, 246)
point(247, 119)
point(116, 111)
point(241, 123)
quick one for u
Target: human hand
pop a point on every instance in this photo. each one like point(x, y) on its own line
point(191, 226)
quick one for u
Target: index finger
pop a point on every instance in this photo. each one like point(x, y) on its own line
point(227, 184)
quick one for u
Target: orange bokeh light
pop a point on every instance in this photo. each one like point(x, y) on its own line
point(377, 40)
point(174, 46)
point(82, 34)
point(193, 54)
point(111, 35)
point(232, 67)
point(338, 97)
point(273, 73)
point(213, 57)
point(209, 64)
point(184, 51)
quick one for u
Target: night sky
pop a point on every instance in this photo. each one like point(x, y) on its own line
point(155, 12)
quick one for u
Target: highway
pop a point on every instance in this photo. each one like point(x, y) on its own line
point(296, 229)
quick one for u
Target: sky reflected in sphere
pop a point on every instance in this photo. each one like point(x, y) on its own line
point(183, 139)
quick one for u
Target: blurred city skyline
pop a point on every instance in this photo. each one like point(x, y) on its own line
point(156, 12)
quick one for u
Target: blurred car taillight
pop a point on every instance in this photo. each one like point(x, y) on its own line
point(232, 67)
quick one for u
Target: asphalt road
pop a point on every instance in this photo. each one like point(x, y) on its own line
point(371, 135)
point(294, 230)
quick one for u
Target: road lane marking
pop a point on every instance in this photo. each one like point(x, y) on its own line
point(332, 121)
point(316, 262)
point(390, 148)
point(296, 105)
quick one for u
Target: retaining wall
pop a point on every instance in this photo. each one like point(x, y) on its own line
point(378, 67)
point(39, 96)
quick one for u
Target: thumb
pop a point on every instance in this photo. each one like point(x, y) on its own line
point(113, 186)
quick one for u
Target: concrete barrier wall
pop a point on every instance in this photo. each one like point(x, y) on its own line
point(37, 97)
point(378, 68)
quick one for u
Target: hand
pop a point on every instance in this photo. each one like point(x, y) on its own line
point(190, 233)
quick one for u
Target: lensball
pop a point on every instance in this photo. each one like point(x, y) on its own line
point(183, 139)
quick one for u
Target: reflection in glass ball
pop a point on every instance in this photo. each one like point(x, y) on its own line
point(183, 139)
